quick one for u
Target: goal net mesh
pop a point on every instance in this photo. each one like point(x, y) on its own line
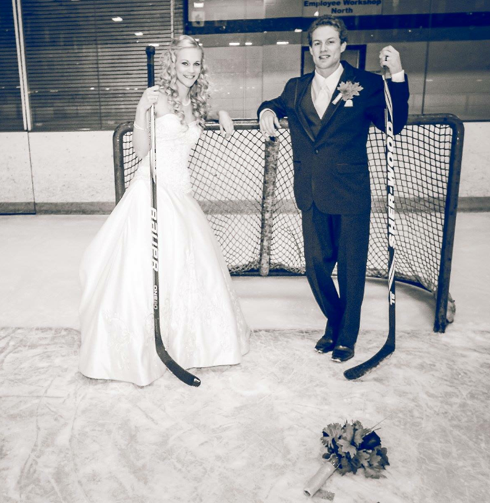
point(245, 187)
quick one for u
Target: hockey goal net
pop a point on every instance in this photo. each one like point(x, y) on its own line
point(245, 186)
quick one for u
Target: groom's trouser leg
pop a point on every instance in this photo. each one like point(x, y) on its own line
point(351, 273)
point(321, 250)
point(344, 239)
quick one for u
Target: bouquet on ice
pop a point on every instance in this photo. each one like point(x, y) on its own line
point(349, 448)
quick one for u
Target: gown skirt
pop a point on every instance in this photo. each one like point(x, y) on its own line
point(202, 324)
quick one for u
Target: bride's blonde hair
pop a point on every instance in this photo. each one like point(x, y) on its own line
point(168, 81)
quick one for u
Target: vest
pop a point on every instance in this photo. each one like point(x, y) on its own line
point(310, 112)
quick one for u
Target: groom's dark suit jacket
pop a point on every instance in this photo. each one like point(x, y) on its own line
point(330, 156)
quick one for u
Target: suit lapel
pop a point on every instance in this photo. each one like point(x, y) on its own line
point(347, 74)
point(303, 86)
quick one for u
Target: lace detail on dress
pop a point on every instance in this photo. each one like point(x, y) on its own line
point(241, 325)
point(174, 144)
point(118, 339)
point(197, 309)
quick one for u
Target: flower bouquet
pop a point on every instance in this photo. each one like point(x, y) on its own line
point(349, 448)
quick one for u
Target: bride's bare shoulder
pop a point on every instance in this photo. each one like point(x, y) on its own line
point(162, 107)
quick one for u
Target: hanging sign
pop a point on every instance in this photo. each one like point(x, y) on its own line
point(341, 7)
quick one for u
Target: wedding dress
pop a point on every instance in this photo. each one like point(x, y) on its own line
point(201, 321)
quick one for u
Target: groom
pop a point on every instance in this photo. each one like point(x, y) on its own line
point(329, 113)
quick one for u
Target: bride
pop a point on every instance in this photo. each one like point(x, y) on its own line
point(201, 321)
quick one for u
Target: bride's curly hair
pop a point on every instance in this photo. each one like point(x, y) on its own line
point(168, 81)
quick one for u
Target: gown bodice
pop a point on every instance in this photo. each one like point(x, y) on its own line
point(174, 142)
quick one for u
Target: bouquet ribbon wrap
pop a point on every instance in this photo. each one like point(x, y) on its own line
point(320, 477)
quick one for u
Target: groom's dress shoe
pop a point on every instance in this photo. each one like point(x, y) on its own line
point(325, 344)
point(328, 341)
point(342, 354)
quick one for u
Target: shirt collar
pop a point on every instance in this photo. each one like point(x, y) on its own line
point(331, 81)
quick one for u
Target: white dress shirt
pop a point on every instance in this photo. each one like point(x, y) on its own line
point(331, 83)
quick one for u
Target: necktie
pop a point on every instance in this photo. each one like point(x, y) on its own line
point(322, 101)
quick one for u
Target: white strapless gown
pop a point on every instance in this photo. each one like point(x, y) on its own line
point(201, 321)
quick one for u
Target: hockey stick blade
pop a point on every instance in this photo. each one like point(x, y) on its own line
point(174, 367)
point(366, 367)
point(183, 375)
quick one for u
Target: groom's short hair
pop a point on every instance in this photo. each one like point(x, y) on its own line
point(328, 20)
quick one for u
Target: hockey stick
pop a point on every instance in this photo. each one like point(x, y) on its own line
point(174, 367)
point(389, 346)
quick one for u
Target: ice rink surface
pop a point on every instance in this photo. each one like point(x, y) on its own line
point(40, 288)
point(250, 433)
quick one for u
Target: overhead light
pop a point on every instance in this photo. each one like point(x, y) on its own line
point(234, 43)
point(92, 88)
point(117, 19)
point(155, 45)
point(138, 33)
point(298, 30)
point(198, 5)
point(317, 13)
point(282, 42)
point(248, 43)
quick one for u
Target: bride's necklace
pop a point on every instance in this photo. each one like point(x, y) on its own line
point(186, 104)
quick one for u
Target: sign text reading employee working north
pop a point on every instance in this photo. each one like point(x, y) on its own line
point(353, 7)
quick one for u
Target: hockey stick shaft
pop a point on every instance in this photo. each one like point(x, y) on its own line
point(391, 226)
point(174, 367)
point(389, 346)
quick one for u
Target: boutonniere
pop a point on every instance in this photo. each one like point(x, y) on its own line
point(347, 91)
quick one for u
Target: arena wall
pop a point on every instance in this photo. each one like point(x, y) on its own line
point(72, 172)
